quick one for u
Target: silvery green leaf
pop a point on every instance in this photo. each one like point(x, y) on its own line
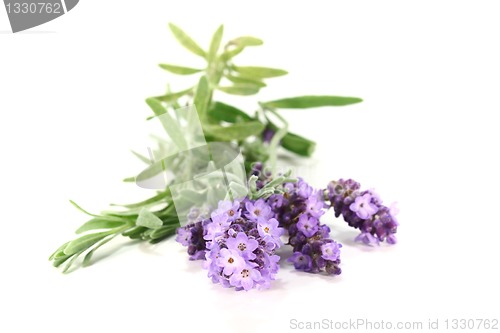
point(215, 44)
point(259, 72)
point(180, 69)
point(240, 89)
point(186, 41)
point(304, 102)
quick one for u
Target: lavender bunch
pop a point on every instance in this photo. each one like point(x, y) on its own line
point(363, 210)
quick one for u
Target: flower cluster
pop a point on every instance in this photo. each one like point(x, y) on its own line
point(239, 242)
point(363, 210)
point(299, 211)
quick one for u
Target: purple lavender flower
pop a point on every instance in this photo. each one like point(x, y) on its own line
point(301, 261)
point(270, 229)
point(363, 211)
point(314, 205)
point(244, 245)
point(258, 210)
point(363, 207)
point(220, 224)
point(231, 209)
point(230, 261)
point(307, 225)
point(183, 236)
point(237, 255)
point(246, 277)
point(331, 251)
point(299, 215)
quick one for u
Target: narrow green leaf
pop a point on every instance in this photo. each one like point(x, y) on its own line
point(141, 157)
point(180, 69)
point(202, 97)
point(241, 89)
point(129, 180)
point(245, 80)
point(228, 113)
point(148, 220)
point(215, 44)
point(163, 232)
point(173, 97)
point(246, 41)
point(70, 263)
point(228, 54)
point(84, 242)
point(186, 41)
point(134, 232)
point(236, 46)
point(170, 125)
point(59, 250)
point(88, 256)
point(94, 215)
point(259, 72)
point(298, 144)
point(99, 223)
point(60, 260)
point(238, 131)
point(155, 199)
point(303, 102)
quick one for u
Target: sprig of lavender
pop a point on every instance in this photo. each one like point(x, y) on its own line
point(155, 219)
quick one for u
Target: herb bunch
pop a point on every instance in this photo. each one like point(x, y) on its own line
point(255, 133)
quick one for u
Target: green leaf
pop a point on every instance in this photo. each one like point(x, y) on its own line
point(228, 113)
point(186, 41)
point(148, 220)
point(157, 198)
point(236, 46)
point(163, 232)
point(99, 223)
point(245, 80)
point(142, 158)
point(88, 256)
point(58, 251)
point(237, 132)
point(298, 144)
point(259, 72)
point(246, 41)
point(202, 97)
point(170, 125)
point(180, 69)
point(172, 97)
point(134, 232)
point(228, 54)
point(241, 90)
point(215, 44)
point(70, 263)
point(84, 242)
point(304, 102)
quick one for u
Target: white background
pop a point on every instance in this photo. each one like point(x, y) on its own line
point(72, 103)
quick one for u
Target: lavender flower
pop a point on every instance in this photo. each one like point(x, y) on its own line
point(307, 225)
point(240, 253)
point(363, 206)
point(298, 211)
point(363, 210)
point(242, 244)
point(258, 210)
